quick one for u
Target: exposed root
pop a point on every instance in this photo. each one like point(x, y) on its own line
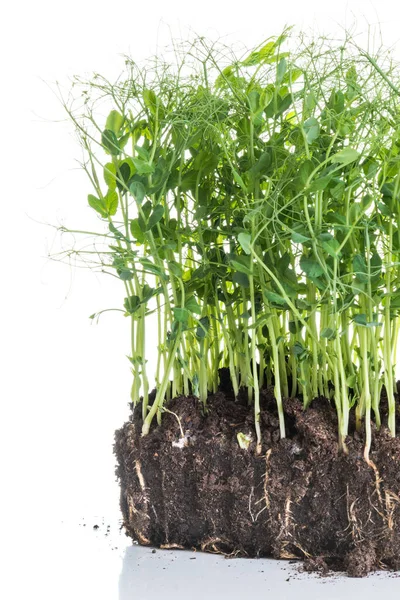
point(140, 476)
point(387, 506)
point(391, 499)
point(171, 547)
point(378, 480)
point(132, 510)
point(288, 512)
point(142, 484)
point(135, 515)
point(265, 498)
point(285, 554)
point(142, 539)
point(253, 518)
point(287, 532)
point(266, 478)
point(356, 530)
point(210, 545)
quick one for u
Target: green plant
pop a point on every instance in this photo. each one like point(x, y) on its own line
point(251, 207)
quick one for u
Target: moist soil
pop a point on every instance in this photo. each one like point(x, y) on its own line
point(299, 499)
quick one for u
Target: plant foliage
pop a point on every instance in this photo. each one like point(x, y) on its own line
point(251, 207)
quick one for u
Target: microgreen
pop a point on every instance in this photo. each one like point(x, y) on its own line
point(251, 206)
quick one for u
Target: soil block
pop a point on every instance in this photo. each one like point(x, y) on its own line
point(188, 484)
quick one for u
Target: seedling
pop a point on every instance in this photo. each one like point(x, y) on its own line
point(250, 205)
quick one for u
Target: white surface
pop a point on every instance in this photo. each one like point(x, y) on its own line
point(65, 381)
point(71, 561)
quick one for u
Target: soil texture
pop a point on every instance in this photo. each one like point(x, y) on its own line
point(188, 484)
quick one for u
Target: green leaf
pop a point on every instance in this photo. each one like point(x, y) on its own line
point(138, 191)
point(298, 349)
point(150, 267)
point(295, 327)
point(136, 230)
point(299, 238)
point(281, 70)
point(109, 174)
point(111, 202)
point(143, 167)
point(284, 103)
point(325, 236)
point(361, 319)
point(151, 101)
point(262, 165)
point(376, 267)
point(239, 180)
point(321, 183)
point(328, 333)
point(346, 156)
point(394, 299)
point(116, 232)
point(337, 191)
point(192, 305)
point(181, 315)
point(311, 267)
point(274, 298)
point(384, 209)
point(360, 268)
point(351, 380)
point(241, 279)
point(370, 167)
point(123, 140)
point(124, 174)
point(125, 274)
point(306, 168)
point(203, 328)
point(267, 51)
point(148, 292)
point(244, 241)
point(110, 142)
point(253, 98)
point(155, 217)
point(114, 121)
point(98, 205)
point(253, 59)
point(142, 153)
point(131, 304)
point(311, 129)
point(266, 96)
point(357, 287)
point(147, 208)
point(175, 268)
point(240, 263)
point(331, 247)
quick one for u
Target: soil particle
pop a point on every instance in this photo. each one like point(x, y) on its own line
point(298, 499)
point(361, 560)
point(316, 565)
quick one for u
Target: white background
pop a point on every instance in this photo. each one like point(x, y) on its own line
point(65, 380)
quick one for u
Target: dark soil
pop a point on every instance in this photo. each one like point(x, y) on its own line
point(298, 499)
